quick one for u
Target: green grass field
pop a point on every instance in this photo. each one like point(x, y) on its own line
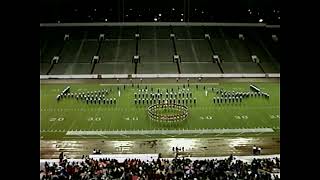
point(57, 118)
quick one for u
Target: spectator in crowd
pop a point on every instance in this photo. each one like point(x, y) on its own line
point(178, 168)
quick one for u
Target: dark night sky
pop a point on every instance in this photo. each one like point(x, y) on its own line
point(51, 10)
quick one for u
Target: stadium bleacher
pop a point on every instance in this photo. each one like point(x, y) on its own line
point(156, 49)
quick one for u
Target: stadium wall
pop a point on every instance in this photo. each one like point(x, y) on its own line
point(136, 76)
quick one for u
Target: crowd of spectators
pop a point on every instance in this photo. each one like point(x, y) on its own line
point(178, 168)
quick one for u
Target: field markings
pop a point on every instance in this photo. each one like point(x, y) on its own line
point(130, 123)
point(106, 121)
point(91, 124)
point(106, 137)
point(265, 121)
point(52, 131)
point(195, 108)
point(110, 123)
point(164, 84)
point(234, 107)
point(52, 124)
point(171, 132)
point(266, 124)
point(72, 124)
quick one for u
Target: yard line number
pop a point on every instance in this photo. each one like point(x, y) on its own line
point(59, 119)
point(131, 118)
point(241, 117)
point(94, 119)
point(277, 116)
point(205, 117)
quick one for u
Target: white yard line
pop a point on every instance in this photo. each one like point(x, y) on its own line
point(195, 108)
point(74, 119)
point(52, 125)
point(235, 107)
point(91, 125)
point(172, 132)
point(131, 123)
point(110, 123)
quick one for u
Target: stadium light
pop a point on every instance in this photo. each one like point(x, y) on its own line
point(260, 20)
point(159, 14)
point(155, 19)
point(181, 14)
point(106, 20)
point(181, 20)
point(173, 9)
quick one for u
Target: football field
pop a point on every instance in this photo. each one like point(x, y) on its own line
point(70, 117)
